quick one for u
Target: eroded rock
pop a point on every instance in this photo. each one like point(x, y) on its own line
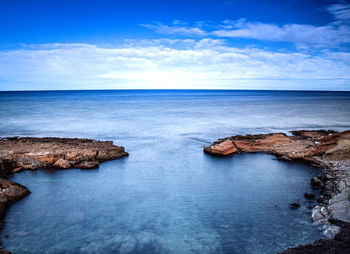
point(32, 153)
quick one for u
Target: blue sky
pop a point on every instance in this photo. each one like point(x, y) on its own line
point(105, 44)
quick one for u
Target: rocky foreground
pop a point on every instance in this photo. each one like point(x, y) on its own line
point(328, 150)
point(17, 154)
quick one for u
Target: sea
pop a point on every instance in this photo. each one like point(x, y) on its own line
point(167, 196)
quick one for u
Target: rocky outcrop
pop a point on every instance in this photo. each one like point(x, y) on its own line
point(339, 245)
point(10, 192)
point(18, 154)
point(328, 150)
point(313, 146)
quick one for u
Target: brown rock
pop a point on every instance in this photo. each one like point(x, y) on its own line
point(87, 164)
point(9, 193)
point(311, 146)
point(33, 153)
point(62, 163)
point(224, 148)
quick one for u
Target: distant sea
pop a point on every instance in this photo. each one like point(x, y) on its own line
point(167, 196)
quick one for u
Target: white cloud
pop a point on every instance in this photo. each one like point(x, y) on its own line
point(340, 11)
point(303, 36)
point(331, 35)
point(205, 63)
point(177, 28)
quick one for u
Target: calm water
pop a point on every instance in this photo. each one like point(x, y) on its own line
point(167, 196)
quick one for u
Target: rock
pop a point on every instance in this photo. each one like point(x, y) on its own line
point(223, 148)
point(330, 231)
point(321, 199)
point(62, 163)
point(294, 205)
point(340, 210)
point(309, 195)
point(339, 245)
point(324, 211)
point(316, 214)
point(343, 196)
point(300, 146)
point(87, 164)
point(315, 182)
point(2, 251)
point(32, 153)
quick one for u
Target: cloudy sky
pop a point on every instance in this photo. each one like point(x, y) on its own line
point(197, 44)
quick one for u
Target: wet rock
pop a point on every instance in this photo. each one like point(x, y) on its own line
point(317, 214)
point(87, 164)
point(315, 183)
point(309, 195)
point(331, 230)
point(2, 251)
point(321, 199)
point(224, 148)
point(294, 205)
point(339, 245)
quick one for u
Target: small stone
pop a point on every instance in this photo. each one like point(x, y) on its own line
point(294, 206)
point(320, 222)
point(316, 214)
point(309, 195)
point(321, 199)
point(331, 230)
point(315, 182)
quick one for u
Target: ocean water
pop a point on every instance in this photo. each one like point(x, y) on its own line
point(167, 196)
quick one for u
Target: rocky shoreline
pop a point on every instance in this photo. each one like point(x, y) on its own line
point(328, 150)
point(27, 153)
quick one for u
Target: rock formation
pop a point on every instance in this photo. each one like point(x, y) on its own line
point(328, 150)
point(32, 153)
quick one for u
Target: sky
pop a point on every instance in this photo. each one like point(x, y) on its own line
point(193, 44)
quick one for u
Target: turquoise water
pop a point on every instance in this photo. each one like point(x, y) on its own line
point(167, 196)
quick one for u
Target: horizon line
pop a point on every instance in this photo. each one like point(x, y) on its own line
point(172, 89)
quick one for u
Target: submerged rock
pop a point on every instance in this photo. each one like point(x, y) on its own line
point(309, 195)
point(294, 205)
point(315, 183)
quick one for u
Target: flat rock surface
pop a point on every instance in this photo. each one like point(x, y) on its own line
point(32, 153)
point(313, 146)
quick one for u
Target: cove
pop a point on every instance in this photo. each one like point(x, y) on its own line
point(203, 204)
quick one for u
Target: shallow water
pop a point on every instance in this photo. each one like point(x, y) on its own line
point(167, 196)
